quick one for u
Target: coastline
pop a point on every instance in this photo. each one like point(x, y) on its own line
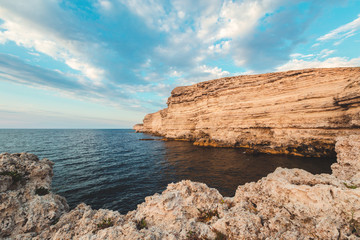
point(321, 150)
point(288, 204)
point(299, 112)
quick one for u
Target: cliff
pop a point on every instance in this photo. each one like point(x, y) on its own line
point(287, 204)
point(296, 112)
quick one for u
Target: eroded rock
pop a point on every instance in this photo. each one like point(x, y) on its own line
point(23, 213)
point(348, 159)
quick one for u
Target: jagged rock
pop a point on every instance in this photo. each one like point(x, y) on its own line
point(24, 213)
point(348, 159)
point(85, 223)
point(296, 112)
point(287, 204)
point(295, 204)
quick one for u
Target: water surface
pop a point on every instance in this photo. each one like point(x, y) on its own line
point(113, 169)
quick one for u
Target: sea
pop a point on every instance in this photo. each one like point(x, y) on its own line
point(114, 169)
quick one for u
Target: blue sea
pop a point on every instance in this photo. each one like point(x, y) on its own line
point(114, 169)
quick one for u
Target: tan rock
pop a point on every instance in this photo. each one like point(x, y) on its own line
point(23, 213)
point(348, 158)
point(299, 205)
point(138, 127)
point(296, 112)
point(84, 223)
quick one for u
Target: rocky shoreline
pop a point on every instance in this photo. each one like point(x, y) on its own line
point(297, 112)
point(287, 204)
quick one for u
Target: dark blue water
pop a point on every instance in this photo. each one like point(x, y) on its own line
point(113, 169)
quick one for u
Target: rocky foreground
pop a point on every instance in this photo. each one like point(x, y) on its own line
point(296, 112)
point(287, 204)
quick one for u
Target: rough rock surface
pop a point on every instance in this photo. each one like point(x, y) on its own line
point(348, 159)
point(23, 212)
point(287, 204)
point(296, 112)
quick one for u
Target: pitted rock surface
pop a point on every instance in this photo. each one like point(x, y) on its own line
point(23, 213)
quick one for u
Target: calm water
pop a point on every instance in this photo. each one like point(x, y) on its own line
point(114, 169)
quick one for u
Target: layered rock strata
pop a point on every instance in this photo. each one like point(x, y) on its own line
point(296, 112)
point(287, 204)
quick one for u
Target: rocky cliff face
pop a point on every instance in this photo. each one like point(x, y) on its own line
point(287, 204)
point(295, 112)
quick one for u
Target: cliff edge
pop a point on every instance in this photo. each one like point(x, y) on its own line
point(296, 112)
point(287, 204)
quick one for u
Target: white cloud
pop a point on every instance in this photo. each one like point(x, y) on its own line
point(105, 4)
point(296, 64)
point(315, 45)
point(240, 19)
point(223, 47)
point(37, 34)
point(299, 55)
point(208, 27)
point(91, 72)
point(150, 10)
point(34, 54)
point(325, 52)
point(342, 32)
point(311, 57)
point(181, 14)
point(317, 60)
point(200, 31)
point(202, 73)
point(214, 71)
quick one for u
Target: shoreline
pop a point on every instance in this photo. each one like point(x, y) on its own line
point(325, 150)
point(288, 203)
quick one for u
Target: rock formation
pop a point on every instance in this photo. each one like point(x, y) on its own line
point(287, 204)
point(296, 112)
point(27, 207)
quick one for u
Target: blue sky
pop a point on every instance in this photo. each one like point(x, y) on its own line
point(105, 64)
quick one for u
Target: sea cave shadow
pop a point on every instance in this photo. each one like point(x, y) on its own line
point(226, 168)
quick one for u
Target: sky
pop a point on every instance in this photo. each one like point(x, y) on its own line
point(106, 64)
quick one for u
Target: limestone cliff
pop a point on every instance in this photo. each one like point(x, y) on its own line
point(287, 204)
point(296, 112)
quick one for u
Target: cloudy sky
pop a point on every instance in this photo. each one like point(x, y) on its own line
point(105, 64)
